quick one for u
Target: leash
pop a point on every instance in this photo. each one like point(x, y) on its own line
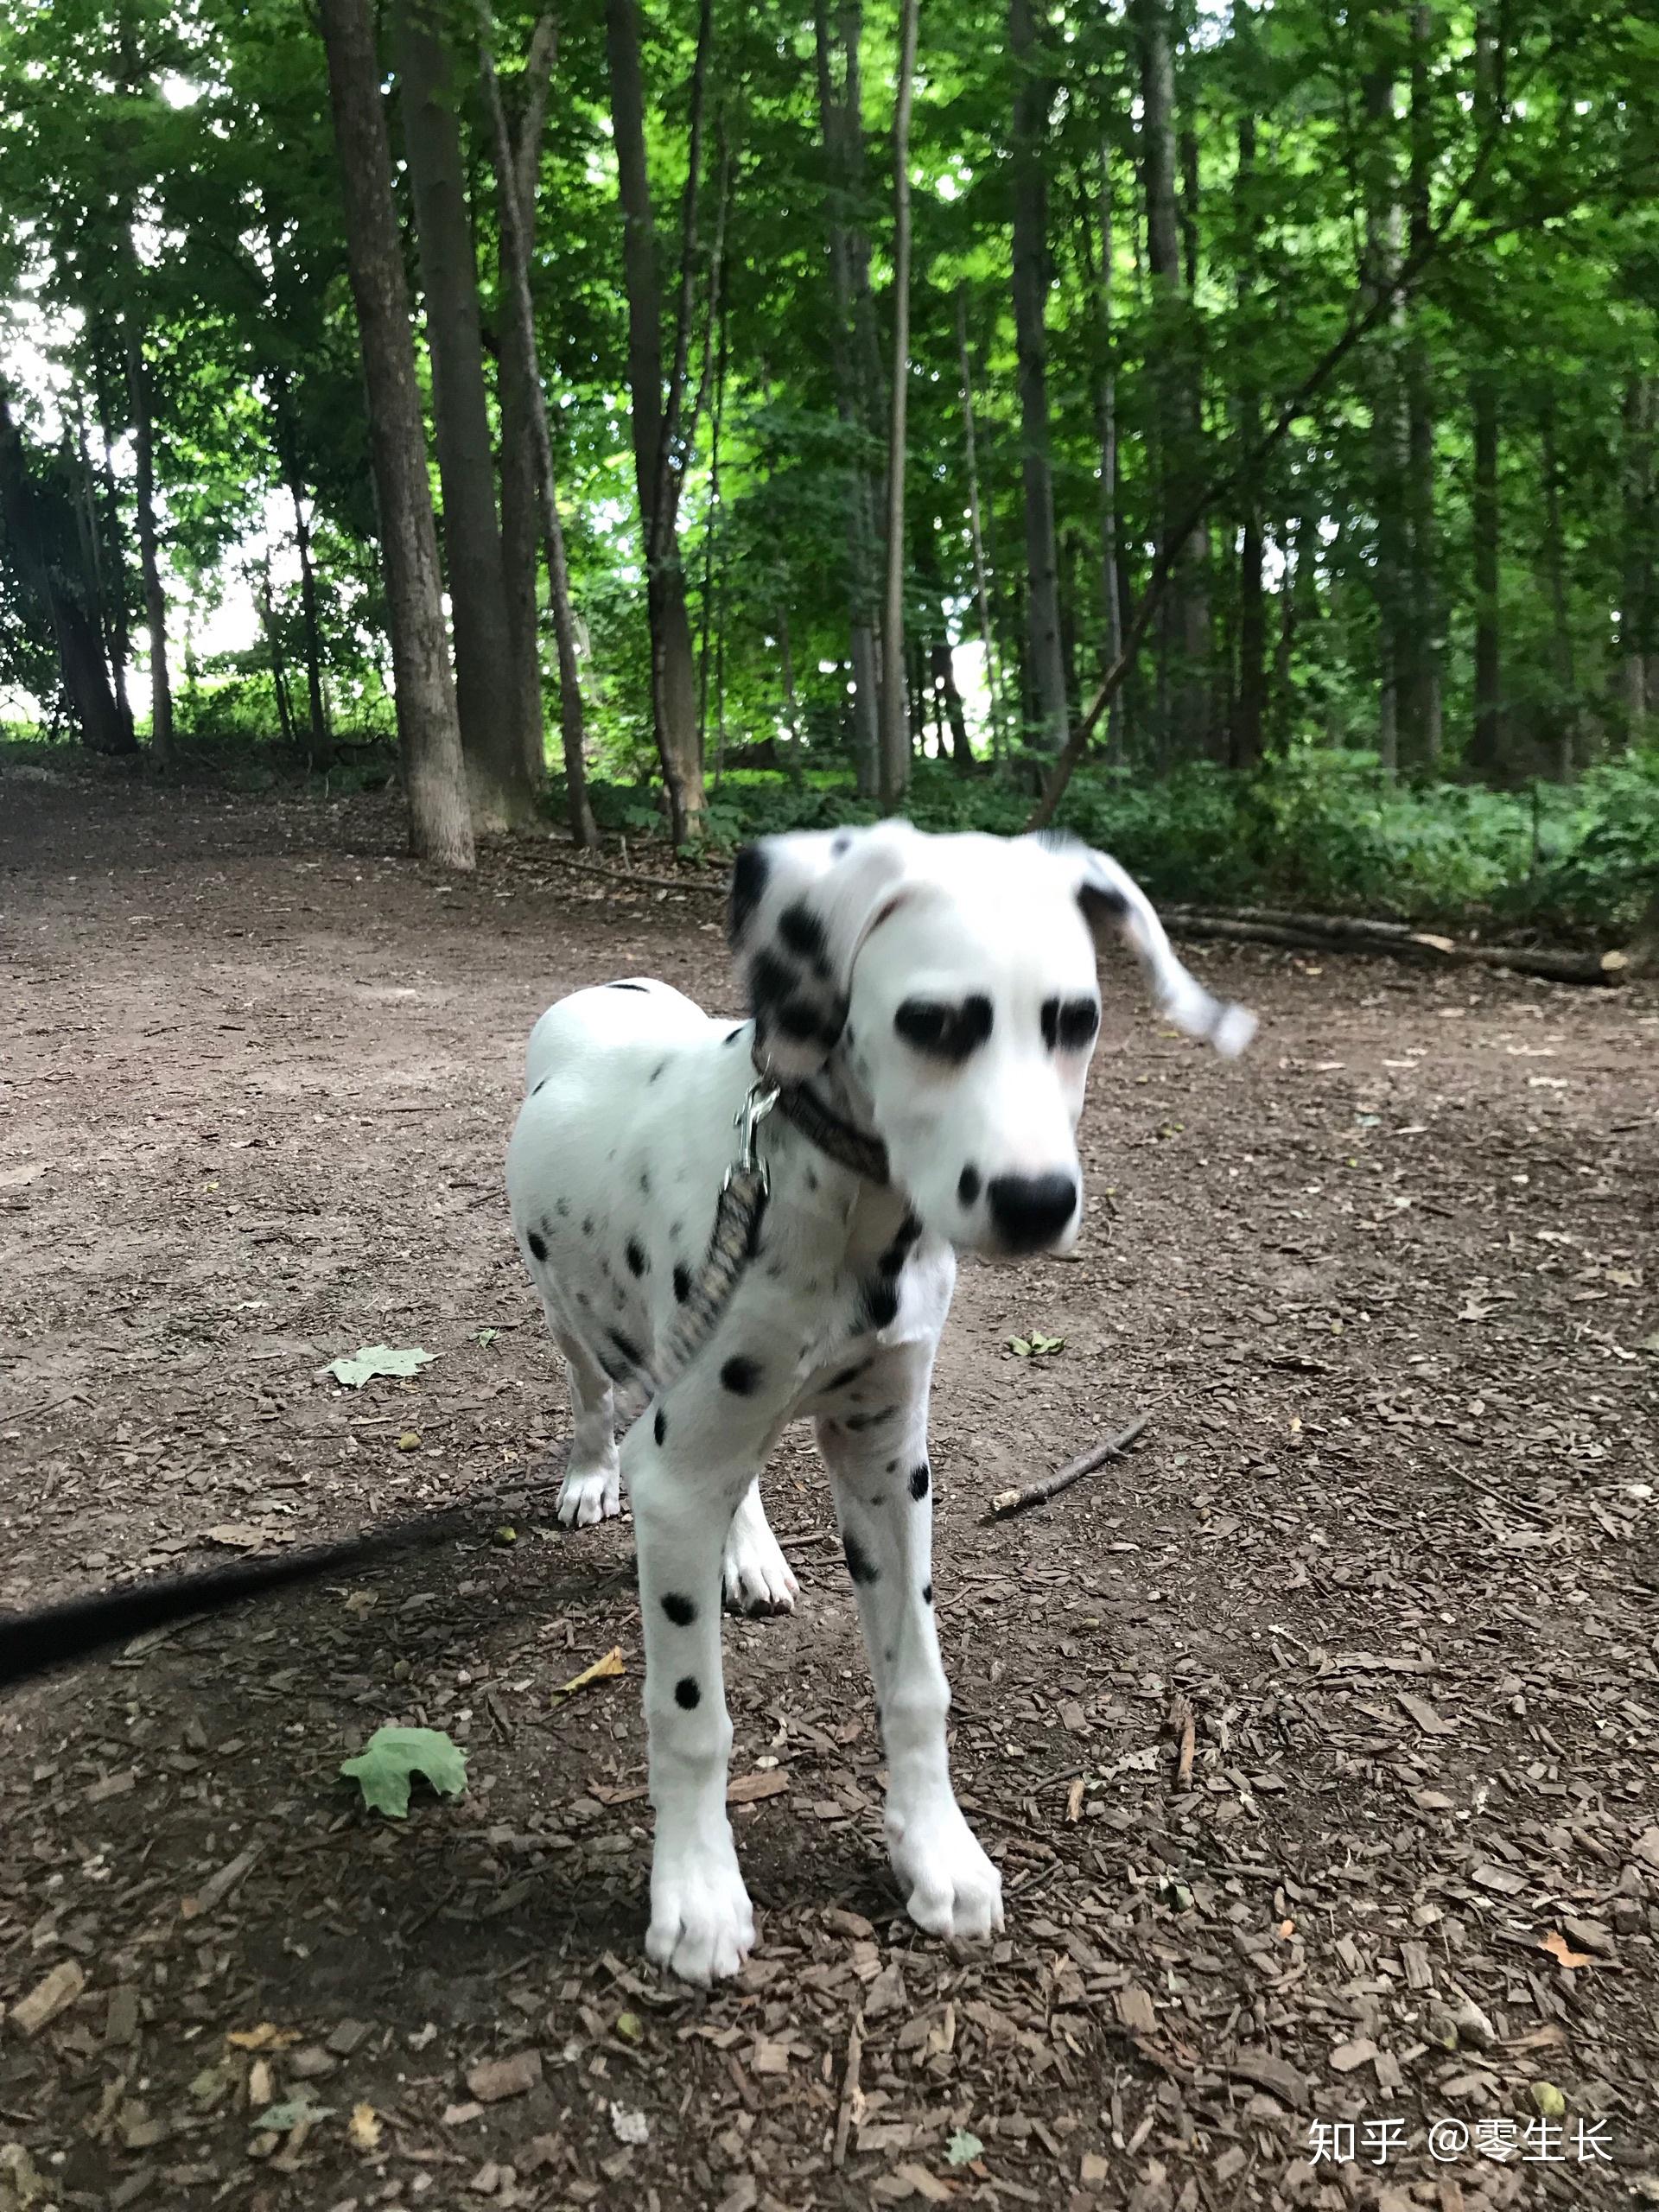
point(34, 1643)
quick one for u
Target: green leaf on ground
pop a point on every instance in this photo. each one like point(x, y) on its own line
point(964, 2148)
point(377, 1359)
point(383, 1767)
point(277, 2120)
point(1036, 1345)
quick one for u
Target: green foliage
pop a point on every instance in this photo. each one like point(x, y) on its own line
point(1319, 832)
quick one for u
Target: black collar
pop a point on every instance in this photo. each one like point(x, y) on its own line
point(848, 1146)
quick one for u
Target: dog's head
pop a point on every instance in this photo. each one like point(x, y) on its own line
point(953, 982)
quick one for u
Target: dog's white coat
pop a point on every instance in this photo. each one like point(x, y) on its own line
point(613, 1173)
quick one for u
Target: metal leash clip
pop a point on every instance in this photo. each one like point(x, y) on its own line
point(762, 1097)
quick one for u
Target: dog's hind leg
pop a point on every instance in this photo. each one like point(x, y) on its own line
point(592, 1488)
point(884, 1500)
point(753, 1570)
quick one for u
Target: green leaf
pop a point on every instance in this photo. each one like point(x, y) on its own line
point(963, 2147)
point(1020, 1346)
point(377, 1359)
point(277, 2120)
point(487, 1335)
point(383, 1767)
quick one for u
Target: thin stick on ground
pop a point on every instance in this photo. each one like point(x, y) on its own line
point(1008, 1503)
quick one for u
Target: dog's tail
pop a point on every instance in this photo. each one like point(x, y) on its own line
point(57, 1636)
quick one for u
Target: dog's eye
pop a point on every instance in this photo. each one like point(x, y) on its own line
point(941, 1032)
point(1069, 1023)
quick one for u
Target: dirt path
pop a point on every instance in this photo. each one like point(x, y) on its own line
point(1316, 1743)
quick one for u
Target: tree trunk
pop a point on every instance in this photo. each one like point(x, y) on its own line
point(143, 438)
point(837, 124)
point(1487, 746)
point(1638, 632)
point(1182, 617)
point(274, 651)
point(1247, 722)
point(1379, 279)
point(674, 691)
point(428, 730)
point(895, 735)
point(1111, 585)
point(319, 748)
point(1564, 716)
point(981, 595)
point(514, 180)
point(1420, 708)
point(521, 528)
point(74, 628)
point(1032, 97)
point(494, 715)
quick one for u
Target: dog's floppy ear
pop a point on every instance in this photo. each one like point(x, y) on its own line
point(1114, 905)
point(801, 906)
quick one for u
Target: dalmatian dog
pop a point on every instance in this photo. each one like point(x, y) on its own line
point(931, 1001)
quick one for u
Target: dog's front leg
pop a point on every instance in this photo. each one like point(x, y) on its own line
point(701, 1926)
point(883, 1499)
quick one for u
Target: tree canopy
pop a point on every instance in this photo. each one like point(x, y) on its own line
point(1270, 379)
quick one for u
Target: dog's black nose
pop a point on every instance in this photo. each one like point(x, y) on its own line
point(1031, 1211)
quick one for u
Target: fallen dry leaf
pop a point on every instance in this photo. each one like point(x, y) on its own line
point(364, 2128)
point(750, 1789)
point(1559, 1949)
point(497, 2078)
point(49, 1998)
point(602, 1670)
point(266, 2037)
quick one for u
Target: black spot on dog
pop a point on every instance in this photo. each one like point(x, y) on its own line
point(681, 1282)
point(644, 1182)
point(637, 1263)
point(659, 1427)
point(686, 1692)
point(536, 1087)
point(627, 986)
point(620, 1299)
point(582, 1298)
point(740, 1373)
point(890, 1655)
point(749, 873)
point(771, 979)
point(860, 1565)
point(880, 1302)
point(674, 1230)
point(811, 1179)
point(538, 1248)
point(732, 1035)
point(798, 1018)
point(892, 1466)
point(968, 1184)
point(842, 844)
point(655, 1073)
point(802, 933)
point(561, 1207)
point(857, 1422)
point(681, 1610)
point(927, 1593)
point(940, 1031)
point(849, 1374)
point(893, 1258)
point(919, 1478)
point(587, 1224)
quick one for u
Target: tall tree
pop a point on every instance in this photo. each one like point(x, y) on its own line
point(1638, 617)
point(1033, 97)
point(1379, 279)
point(1421, 711)
point(841, 124)
point(494, 711)
point(522, 525)
point(1183, 622)
point(34, 543)
point(977, 534)
point(895, 729)
point(661, 436)
point(1486, 743)
point(427, 726)
point(514, 183)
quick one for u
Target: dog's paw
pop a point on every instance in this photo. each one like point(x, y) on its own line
point(589, 1494)
point(754, 1572)
point(951, 1887)
point(701, 1921)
